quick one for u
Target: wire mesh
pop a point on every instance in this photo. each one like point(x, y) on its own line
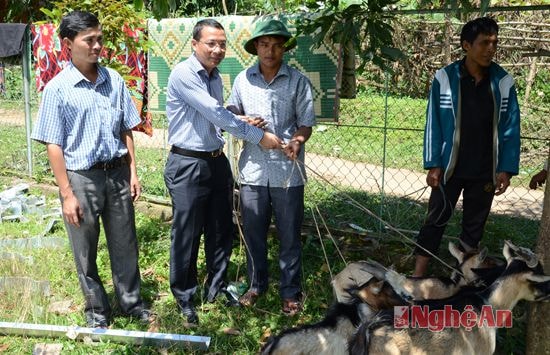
point(374, 151)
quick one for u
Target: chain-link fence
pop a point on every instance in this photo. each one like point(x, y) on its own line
point(367, 167)
point(374, 153)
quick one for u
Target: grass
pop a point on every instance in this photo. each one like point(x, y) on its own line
point(57, 267)
point(251, 326)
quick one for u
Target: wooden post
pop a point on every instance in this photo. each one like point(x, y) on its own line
point(538, 330)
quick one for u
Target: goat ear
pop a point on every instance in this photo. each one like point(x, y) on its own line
point(538, 278)
point(455, 252)
point(482, 254)
point(528, 256)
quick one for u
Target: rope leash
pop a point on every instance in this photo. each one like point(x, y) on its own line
point(372, 214)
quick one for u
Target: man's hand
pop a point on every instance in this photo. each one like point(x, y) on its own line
point(503, 181)
point(434, 177)
point(71, 209)
point(292, 149)
point(255, 121)
point(135, 187)
point(538, 179)
point(271, 141)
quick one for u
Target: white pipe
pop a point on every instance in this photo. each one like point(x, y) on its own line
point(115, 335)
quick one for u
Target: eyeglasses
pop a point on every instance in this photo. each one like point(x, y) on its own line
point(213, 45)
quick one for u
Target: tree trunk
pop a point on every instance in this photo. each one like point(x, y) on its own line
point(529, 81)
point(224, 4)
point(538, 329)
point(447, 48)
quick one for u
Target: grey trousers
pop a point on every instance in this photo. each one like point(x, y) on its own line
point(105, 194)
point(287, 204)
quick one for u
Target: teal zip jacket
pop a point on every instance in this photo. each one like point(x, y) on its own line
point(442, 131)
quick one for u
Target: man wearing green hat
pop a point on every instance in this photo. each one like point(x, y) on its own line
point(197, 172)
point(273, 180)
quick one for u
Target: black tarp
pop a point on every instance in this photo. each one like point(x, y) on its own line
point(11, 39)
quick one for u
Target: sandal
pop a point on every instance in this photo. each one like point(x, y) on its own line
point(249, 298)
point(292, 306)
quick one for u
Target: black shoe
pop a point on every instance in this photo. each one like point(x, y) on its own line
point(188, 311)
point(97, 323)
point(144, 316)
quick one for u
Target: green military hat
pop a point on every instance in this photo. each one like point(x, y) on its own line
point(269, 28)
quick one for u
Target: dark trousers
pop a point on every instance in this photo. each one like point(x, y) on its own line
point(477, 197)
point(202, 202)
point(287, 204)
point(105, 194)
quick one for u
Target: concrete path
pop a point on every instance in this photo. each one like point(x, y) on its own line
point(516, 201)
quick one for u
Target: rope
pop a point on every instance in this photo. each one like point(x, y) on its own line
point(322, 245)
point(372, 214)
point(330, 235)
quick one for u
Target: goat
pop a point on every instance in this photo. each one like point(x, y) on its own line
point(522, 279)
point(331, 335)
point(418, 288)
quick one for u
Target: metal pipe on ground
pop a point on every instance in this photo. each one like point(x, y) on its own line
point(191, 342)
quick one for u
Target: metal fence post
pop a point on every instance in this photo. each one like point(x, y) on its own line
point(26, 91)
point(384, 147)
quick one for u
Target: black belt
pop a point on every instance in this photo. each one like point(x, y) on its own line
point(111, 164)
point(197, 154)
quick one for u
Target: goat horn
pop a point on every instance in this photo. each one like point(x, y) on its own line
point(511, 245)
point(483, 254)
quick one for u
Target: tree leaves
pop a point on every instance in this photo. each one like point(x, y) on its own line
point(366, 25)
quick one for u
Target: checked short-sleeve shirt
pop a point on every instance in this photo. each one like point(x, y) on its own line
point(286, 103)
point(86, 119)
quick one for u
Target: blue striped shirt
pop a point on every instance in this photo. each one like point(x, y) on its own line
point(195, 113)
point(86, 119)
point(286, 103)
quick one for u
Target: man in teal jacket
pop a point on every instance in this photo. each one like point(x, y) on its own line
point(471, 140)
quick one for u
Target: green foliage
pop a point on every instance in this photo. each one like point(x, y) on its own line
point(458, 7)
point(14, 96)
point(366, 25)
point(13, 83)
point(197, 8)
point(24, 11)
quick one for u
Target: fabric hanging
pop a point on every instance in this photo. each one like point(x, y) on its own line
point(11, 39)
